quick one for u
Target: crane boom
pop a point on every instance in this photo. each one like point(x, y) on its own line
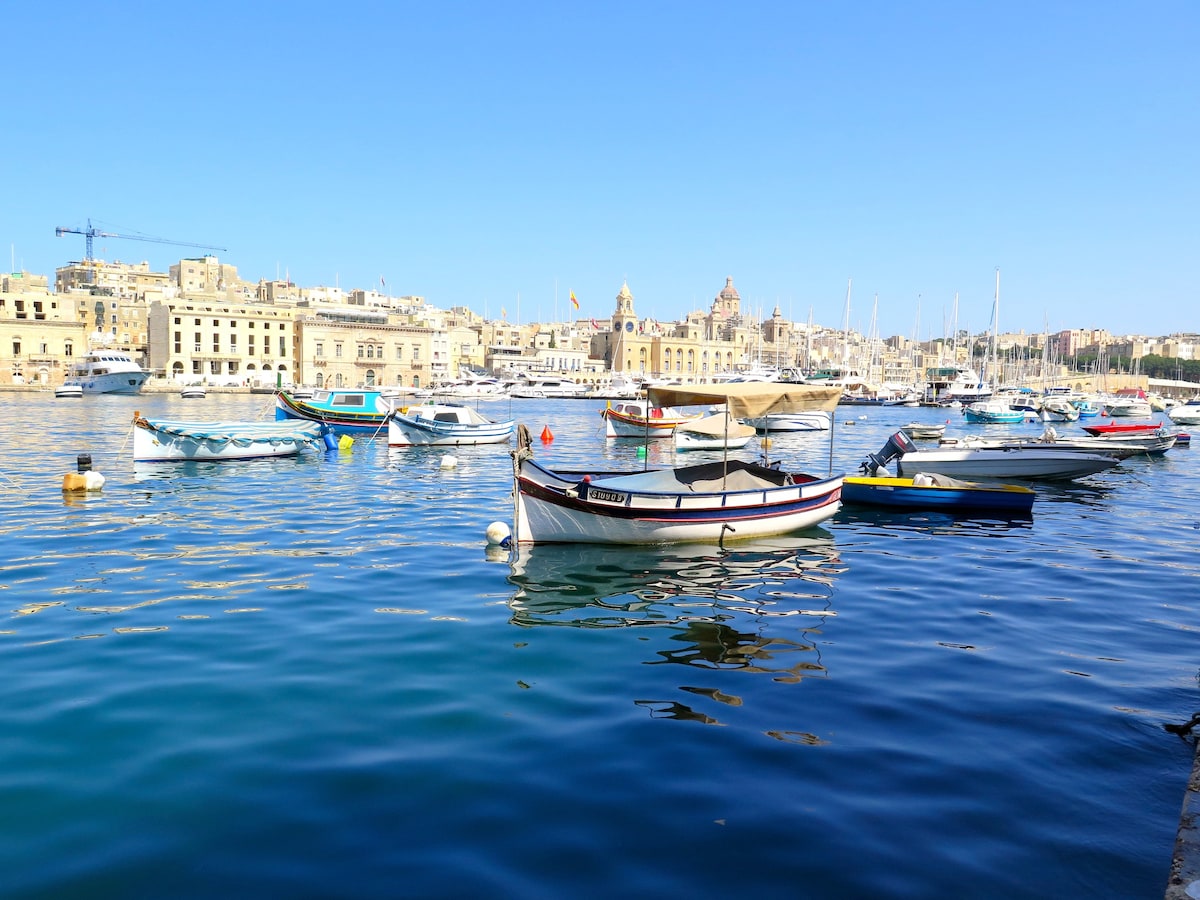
point(91, 233)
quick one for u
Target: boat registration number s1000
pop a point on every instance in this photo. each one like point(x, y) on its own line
point(606, 496)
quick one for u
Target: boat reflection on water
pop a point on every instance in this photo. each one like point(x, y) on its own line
point(717, 602)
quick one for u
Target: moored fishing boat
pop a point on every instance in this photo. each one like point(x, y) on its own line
point(641, 419)
point(444, 424)
point(162, 440)
point(730, 499)
point(360, 411)
point(936, 491)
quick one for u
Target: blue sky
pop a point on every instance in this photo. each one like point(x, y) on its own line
point(477, 153)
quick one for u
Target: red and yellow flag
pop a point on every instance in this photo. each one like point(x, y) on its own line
point(574, 302)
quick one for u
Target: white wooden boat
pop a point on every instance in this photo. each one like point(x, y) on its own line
point(730, 499)
point(1023, 460)
point(161, 440)
point(718, 432)
point(640, 419)
point(920, 431)
point(444, 424)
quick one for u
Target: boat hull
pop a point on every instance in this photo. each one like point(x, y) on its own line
point(633, 509)
point(816, 420)
point(1015, 462)
point(902, 493)
point(346, 412)
point(158, 440)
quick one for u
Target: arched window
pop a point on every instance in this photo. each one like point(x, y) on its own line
point(370, 376)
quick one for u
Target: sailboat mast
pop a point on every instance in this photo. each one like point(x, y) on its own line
point(995, 328)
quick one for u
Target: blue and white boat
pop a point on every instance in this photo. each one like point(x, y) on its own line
point(161, 440)
point(444, 424)
point(992, 412)
point(935, 491)
point(357, 411)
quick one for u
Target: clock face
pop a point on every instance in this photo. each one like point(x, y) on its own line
point(629, 326)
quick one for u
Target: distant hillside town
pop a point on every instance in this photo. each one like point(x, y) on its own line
point(200, 322)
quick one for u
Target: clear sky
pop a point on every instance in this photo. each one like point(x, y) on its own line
point(477, 153)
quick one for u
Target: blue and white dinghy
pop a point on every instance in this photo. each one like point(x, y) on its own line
point(444, 424)
point(159, 440)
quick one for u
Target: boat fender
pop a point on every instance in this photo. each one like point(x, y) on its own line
point(498, 535)
point(78, 482)
point(345, 442)
point(448, 461)
point(328, 437)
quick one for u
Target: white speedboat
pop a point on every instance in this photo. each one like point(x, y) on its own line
point(549, 387)
point(444, 424)
point(193, 392)
point(104, 371)
point(804, 420)
point(1030, 461)
point(1186, 413)
point(68, 390)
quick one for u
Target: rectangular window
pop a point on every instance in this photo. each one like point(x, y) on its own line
point(16, 348)
point(282, 346)
point(178, 342)
point(320, 350)
point(197, 350)
point(216, 343)
point(399, 351)
point(337, 350)
point(416, 354)
point(250, 349)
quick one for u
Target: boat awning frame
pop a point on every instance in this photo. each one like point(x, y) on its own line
point(749, 400)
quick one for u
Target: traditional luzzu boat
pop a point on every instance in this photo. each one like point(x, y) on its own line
point(729, 499)
point(160, 440)
point(444, 424)
point(1025, 460)
point(641, 419)
point(936, 491)
point(360, 411)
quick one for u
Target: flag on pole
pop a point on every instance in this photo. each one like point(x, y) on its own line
point(502, 312)
point(574, 302)
point(381, 281)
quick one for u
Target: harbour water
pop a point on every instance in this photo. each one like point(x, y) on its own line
point(310, 678)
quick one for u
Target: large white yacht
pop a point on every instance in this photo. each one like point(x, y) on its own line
point(104, 371)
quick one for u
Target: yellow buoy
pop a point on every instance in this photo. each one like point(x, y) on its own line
point(345, 442)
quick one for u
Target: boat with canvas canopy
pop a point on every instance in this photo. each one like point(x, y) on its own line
point(715, 501)
point(162, 440)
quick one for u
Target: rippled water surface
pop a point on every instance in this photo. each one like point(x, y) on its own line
point(310, 677)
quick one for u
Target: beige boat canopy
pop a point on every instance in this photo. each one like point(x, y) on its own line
point(749, 399)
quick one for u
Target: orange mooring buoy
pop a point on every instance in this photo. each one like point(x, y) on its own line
point(547, 437)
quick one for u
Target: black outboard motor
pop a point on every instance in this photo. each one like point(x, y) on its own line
point(897, 445)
